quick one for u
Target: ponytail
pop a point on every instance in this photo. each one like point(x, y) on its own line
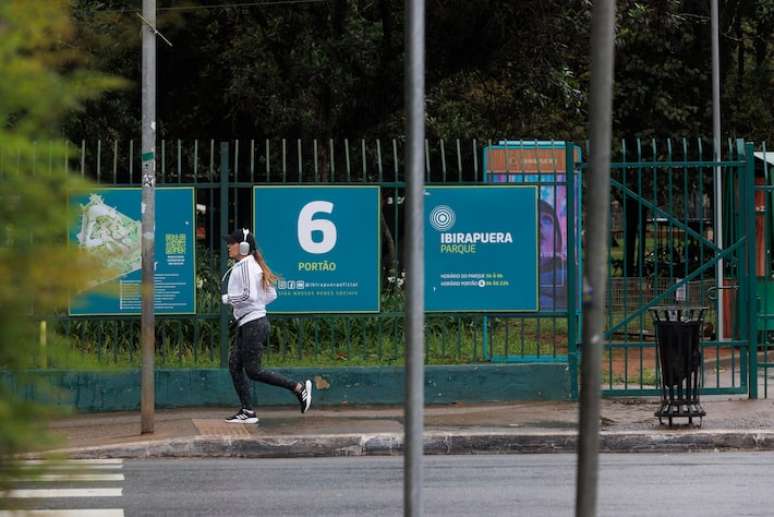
point(268, 276)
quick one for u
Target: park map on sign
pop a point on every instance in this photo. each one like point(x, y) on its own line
point(111, 237)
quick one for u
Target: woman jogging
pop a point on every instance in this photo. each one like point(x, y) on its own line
point(250, 287)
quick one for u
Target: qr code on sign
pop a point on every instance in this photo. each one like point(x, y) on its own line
point(175, 243)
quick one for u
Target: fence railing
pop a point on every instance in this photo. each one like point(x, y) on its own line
point(663, 189)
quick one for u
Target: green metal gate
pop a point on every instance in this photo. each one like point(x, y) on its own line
point(662, 251)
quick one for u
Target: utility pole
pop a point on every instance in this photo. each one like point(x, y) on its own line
point(415, 275)
point(595, 277)
point(718, 191)
point(148, 210)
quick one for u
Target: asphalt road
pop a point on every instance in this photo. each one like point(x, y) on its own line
point(650, 485)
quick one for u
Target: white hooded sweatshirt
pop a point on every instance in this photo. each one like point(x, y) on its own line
point(246, 293)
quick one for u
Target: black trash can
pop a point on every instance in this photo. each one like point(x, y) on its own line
point(678, 348)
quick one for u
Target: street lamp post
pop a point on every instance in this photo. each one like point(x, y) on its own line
point(718, 190)
point(415, 274)
point(595, 277)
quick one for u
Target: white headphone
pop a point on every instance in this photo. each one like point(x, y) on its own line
point(244, 246)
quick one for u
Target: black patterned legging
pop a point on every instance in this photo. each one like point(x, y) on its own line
point(246, 358)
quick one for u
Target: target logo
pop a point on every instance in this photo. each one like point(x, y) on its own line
point(442, 218)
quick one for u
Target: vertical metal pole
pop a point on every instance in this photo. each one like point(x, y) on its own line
point(415, 271)
point(602, 40)
point(572, 279)
point(148, 209)
point(752, 267)
point(224, 311)
point(718, 194)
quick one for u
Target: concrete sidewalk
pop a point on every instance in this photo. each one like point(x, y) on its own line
point(626, 425)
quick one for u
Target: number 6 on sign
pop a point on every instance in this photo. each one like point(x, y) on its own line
point(307, 225)
point(324, 240)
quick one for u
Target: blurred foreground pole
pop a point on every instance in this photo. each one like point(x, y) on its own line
point(148, 209)
point(595, 276)
point(415, 271)
point(718, 190)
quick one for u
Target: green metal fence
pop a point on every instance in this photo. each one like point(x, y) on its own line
point(662, 250)
point(223, 174)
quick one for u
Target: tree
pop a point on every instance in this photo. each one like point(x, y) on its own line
point(43, 79)
point(494, 69)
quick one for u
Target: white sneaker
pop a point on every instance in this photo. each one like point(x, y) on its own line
point(305, 396)
point(243, 416)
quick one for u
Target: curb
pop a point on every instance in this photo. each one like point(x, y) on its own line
point(435, 443)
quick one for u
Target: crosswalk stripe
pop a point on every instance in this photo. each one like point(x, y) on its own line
point(45, 493)
point(106, 512)
point(72, 477)
point(103, 461)
point(71, 466)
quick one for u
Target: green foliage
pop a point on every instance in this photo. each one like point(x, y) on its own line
point(315, 341)
point(654, 46)
point(42, 80)
point(495, 69)
point(324, 342)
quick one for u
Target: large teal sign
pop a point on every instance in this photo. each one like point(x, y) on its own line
point(109, 228)
point(324, 244)
point(481, 249)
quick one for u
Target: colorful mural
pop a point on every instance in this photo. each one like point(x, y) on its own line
point(543, 164)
